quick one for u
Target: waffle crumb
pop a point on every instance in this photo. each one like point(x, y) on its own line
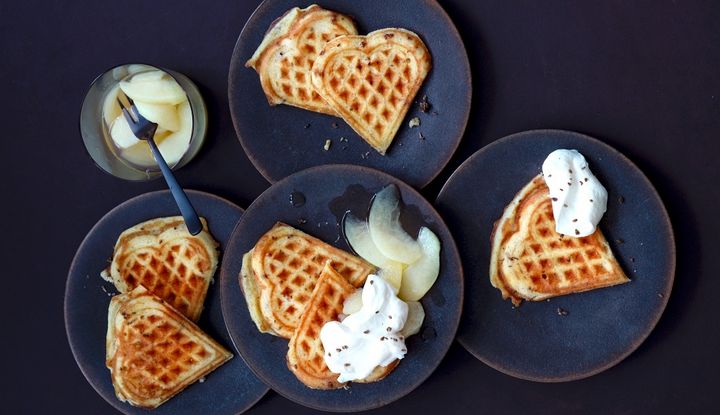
point(327, 145)
point(424, 104)
point(415, 122)
point(562, 312)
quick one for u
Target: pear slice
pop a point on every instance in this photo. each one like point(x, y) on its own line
point(387, 232)
point(421, 275)
point(415, 318)
point(111, 109)
point(121, 133)
point(140, 74)
point(152, 90)
point(139, 155)
point(176, 144)
point(357, 234)
point(165, 116)
point(392, 271)
point(353, 303)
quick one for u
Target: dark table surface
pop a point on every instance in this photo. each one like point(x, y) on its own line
point(643, 76)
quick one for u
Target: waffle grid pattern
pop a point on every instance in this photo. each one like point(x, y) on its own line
point(162, 356)
point(372, 87)
point(326, 304)
point(292, 269)
point(306, 352)
point(557, 260)
point(294, 84)
point(174, 272)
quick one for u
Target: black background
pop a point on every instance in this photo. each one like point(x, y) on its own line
point(643, 76)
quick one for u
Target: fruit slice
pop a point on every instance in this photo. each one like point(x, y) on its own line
point(387, 232)
point(111, 109)
point(421, 275)
point(121, 133)
point(146, 88)
point(146, 76)
point(165, 116)
point(177, 143)
point(357, 234)
point(139, 155)
point(415, 318)
point(392, 271)
point(353, 303)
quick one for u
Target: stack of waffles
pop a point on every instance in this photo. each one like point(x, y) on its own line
point(314, 59)
point(293, 284)
point(154, 349)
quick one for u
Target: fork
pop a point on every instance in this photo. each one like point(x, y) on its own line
point(144, 129)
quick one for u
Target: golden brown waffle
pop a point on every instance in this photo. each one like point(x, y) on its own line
point(371, 80)
point(153, 352)
point(286, 264)
point(163, 257)
point(286, 55)
point(305, 356)
point(530, 261)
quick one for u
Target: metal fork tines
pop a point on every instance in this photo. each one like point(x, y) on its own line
point(141, 127)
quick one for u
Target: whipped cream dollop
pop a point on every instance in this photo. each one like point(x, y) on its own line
point(369, 337)
point(579, 200)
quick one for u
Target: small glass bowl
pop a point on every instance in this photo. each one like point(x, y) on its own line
point(95, 131)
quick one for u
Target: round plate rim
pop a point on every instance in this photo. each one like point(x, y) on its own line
point(74, 265)
point(224, 276)
point(672, 268)
point(236, 62)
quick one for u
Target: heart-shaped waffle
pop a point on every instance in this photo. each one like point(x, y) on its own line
point(285, 266)
point(371, 80)
point(531, 261)
point(153, 352)
point(163, 257)
point(305, 356)
point(286, 55)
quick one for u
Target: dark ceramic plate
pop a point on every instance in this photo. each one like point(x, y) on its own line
point(329, 191)
point(535, 341)
point(282, 140)
point(232, 388)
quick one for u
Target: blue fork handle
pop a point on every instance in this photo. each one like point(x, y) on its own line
point(192, 221)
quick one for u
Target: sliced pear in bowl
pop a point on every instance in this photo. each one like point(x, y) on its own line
point(177, 143)
point(386, 231)
point(165, 116)
point(421, 275)
point(139, 74)
point(358, 236)
point(154, 90)
point(122, 134)
point(415, 318)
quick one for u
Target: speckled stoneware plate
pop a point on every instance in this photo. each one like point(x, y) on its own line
point(328, 192)
point(230, 389)
point(282, 140)
point(573, 336)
